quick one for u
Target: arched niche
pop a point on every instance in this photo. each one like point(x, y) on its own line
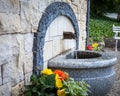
point(52, 11)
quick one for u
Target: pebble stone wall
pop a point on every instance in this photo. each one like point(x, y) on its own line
point(18, 22)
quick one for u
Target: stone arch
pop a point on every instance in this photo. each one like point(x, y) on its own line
point(52, 11)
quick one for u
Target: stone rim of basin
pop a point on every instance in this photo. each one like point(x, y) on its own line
point(106, 59)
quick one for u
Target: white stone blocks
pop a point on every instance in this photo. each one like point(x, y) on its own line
point(16, 55)
point(69, 44)
point(28, 63)
point(0, 77)
point(43, 5)
point(47, 51)
point(5, 90)
point(61, 25)
point(18, 89)
point(17, 72)
point(35, 14)
point(9, 24)
point(9, 6)
point(47, 35)
point(27, 78)
point(53, 28)
point(45, 65)
point(54, 43)
point(75, 8)
point(28, 55)
point(56, 46)
point(28, 41)
point(25, 16)
point(68, 25)
point(6, 72)
point(35, 18)
point(82, 43)
point(5, 49)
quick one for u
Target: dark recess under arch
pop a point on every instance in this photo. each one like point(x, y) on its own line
point(52, 11)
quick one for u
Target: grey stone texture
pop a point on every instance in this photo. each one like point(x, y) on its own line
point(98, 72)
point(5, 90)
point(16, 60)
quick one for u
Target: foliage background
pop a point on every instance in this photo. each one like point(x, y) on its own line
point(101, 26)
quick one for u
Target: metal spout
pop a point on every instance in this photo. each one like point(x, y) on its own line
point(69, 35)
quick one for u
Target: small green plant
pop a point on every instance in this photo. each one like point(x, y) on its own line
point(76, 88)
point(55, 83)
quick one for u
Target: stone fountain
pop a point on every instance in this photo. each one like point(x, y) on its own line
point(93, 67)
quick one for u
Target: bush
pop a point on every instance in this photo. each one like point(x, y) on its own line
point(101, 28)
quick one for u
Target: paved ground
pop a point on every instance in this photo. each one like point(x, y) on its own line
point(115, 91)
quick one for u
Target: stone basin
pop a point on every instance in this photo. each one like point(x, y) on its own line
point(93, 67)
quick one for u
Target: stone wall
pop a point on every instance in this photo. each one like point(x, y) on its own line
point(18, 22)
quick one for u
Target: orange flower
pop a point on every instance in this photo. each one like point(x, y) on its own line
point(62, 75)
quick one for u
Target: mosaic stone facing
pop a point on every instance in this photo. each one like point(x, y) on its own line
point(98, 72)
point(52, 11)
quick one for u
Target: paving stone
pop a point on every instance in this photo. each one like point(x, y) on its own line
point(115, 90)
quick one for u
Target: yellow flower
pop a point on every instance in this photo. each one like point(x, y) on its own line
point(94, 45)
point(61, 92)
point(47, 72)
point(58, 81)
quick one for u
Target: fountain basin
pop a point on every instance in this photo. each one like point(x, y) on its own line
point(93, 67)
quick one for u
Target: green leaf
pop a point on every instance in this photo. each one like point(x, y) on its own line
point(34, 90)
point(28, 94)
point(34, 79)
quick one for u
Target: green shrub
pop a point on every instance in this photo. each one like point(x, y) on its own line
point(101, 28)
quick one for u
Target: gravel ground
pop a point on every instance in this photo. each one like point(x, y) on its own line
point(115, 91)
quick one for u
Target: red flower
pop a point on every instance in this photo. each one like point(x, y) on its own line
point(62, 75)
point(89, 47)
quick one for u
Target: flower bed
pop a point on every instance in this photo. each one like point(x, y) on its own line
point(94, 47)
